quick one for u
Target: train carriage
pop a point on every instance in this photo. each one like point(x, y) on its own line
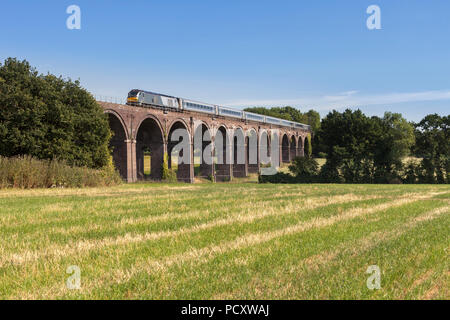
point(223, 111)
point(199, 106)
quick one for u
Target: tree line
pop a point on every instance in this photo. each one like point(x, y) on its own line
point(363, 149)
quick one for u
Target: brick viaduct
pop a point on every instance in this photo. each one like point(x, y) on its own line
point(138, 130)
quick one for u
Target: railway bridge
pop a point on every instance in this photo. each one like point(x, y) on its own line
point(141, 142)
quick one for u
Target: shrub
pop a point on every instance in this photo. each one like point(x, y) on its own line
point(329, 173)
point(305, 169)
point(168, 175)
point(280, 177)
point(27, 172)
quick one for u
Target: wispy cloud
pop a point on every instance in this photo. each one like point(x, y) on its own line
point(349, 99)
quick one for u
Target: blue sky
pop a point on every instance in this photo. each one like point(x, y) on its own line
point(308, 54)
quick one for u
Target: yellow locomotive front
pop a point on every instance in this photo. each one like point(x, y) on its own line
point(133, 96)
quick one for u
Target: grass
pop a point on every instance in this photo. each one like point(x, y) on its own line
point(223, 241)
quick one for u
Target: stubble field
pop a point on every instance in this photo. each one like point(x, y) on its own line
point(226, 241)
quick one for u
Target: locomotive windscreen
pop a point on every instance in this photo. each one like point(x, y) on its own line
point(133, 93)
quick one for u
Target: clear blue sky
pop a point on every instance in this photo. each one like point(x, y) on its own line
point(309, 54)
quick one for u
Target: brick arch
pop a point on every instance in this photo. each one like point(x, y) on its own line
point(238, 129)
point(300, 145)
point(305, 142)
point(183, 121)
point(208, 127)
point(251, 140)
point(183, 169)
point(223, 169)
point(239, 152)
point(118, 142)
point(264, 147)
point(202, 151)
point(293, 147)
point(251, 129)
point(158, 122)
point(119, 117)
point(150, 142)
point(284, 147)
point(218, 126)
point(261, 132)
point(201, 123)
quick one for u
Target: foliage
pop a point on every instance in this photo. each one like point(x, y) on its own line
point(329, 173)
point(393, 142)
point(411, 173)
point(168, 175)
point(364, 150)
point(305, 169)
point(27, 172)
point(279, 177)
point(348, 139)
point(433, 145)
point(312, 118)
point(302, 170)
point(49, 117)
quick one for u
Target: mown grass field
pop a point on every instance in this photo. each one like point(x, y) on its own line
point(221, 241)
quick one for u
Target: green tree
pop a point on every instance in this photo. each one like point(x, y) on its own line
point(365, 150)
point(312, 119)
point(348, 138)
point(433, 146)
point(49, 117)
point(394, 141)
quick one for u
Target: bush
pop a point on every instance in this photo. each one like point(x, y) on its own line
point(280, 177)
point(414, 172)
point(168, 175)
point(27, 172)
point(329, 173)
point(305, 169)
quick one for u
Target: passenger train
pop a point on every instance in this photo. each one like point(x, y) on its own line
point(147, 98)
